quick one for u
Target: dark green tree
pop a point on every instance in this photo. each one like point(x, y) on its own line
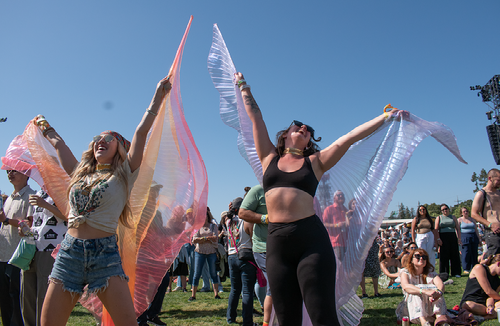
point(479, 181)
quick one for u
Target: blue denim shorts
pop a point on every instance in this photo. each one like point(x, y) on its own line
point(89, 262)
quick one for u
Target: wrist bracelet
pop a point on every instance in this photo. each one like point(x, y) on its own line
point(489, 226)
point(151, 112)
point(47, 130)
point(263, 219)
point(6, 222)
point(420, 291)
point(241, 81)
point(242, 87)
point(439, 291)
point(386, 115)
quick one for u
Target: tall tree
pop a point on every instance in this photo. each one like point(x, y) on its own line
point(479, 181)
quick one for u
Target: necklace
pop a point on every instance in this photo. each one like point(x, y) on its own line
point(294, 151)
point(103, 167)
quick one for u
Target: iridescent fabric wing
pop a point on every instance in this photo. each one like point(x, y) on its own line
point(18, 157)
point(54, 177)
point(232, 111)
point(368, 173)
point(177, 167)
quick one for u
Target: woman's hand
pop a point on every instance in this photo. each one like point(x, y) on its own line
point(36, 200)
point(237, 77)
point(163, 88)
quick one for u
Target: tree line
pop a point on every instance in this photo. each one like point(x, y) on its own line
point(404, 212)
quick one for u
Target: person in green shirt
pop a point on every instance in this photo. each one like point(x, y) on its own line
point(253, 211)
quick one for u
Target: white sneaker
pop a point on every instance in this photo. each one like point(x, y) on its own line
point(177, 289)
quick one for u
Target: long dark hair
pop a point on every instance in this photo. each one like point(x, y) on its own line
point(427, 216)
point(311, 147)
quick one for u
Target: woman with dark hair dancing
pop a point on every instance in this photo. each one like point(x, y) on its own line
point(98, 198)
point(301, 261)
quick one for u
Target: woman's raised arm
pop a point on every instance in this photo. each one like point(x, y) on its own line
point(263, 143)
point(139, 140)
point(66, 157)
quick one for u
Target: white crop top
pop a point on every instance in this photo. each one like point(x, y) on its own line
point(100, 203)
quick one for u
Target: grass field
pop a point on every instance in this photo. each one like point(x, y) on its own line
point(206, 311)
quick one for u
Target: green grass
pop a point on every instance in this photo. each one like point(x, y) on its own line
point(177, 311)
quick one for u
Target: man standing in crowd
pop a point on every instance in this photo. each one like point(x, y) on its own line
point(242, 272)
point(253, 211)
point(485, 210)
point(17, 208)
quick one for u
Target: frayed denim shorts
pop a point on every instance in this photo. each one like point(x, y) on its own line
point(89, 262)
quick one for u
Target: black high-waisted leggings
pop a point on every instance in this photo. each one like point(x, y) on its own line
point(301, 267)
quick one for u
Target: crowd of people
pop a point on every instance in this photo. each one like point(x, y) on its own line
point(270, 242)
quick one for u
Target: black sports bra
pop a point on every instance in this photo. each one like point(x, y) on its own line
point(303, 179)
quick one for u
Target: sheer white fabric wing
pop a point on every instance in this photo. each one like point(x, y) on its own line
point(368, 174)
point(232, 111)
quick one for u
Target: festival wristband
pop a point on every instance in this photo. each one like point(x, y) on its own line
point(263, 219)
point(489, 226)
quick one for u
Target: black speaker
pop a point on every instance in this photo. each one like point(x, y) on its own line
point(494, 137)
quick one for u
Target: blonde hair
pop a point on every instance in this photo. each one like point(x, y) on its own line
point(87, 166)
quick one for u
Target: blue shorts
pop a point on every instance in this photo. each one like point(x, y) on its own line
point(89, 262)
point(260, 259)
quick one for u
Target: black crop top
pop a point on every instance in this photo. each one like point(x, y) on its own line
point(303, 179)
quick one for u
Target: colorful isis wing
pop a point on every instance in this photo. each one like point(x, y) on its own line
point(232, 111)
point(367, 176)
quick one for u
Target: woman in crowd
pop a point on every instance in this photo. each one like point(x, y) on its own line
point(424, 233)
point(98, 197)
point(390, 267)
point(301, 261)
point(449, 234)
point(423, 291)
point(372, 269)
point(481, 291)
point(403, 257)
point(206, 241)
point(470, 240)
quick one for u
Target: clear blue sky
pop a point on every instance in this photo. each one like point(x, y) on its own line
point(90, 66)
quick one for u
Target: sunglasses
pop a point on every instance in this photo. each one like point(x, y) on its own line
point(413, 248)
point(11, 171)
point(300, 124)
point(107, 138)
point(418, 257)
point(390, 252)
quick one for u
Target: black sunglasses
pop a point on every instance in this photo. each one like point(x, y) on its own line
point(417, 256)
point(300, 124)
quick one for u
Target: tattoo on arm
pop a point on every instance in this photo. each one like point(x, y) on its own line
point(250, 101)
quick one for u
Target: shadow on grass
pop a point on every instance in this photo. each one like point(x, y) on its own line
point(193, 313)
point(378, 316)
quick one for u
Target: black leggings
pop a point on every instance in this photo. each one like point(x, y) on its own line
point(301, 267)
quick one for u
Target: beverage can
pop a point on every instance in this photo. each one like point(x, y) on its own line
point(406, 321)
point(25, 228)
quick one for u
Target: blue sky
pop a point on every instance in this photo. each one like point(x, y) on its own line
point(90, 66)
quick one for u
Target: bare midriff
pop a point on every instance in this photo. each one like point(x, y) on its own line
point(286, 204)
point(85, 231)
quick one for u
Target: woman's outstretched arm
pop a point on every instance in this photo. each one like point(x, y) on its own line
point(139, 140)
point(329, 156)
point(262, 141)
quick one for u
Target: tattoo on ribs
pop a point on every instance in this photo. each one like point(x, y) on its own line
point(249, 100)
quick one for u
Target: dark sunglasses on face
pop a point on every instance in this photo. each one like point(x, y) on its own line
point(413, 248)
point(11, 171)
point(390, 252)
point(107, 138)
point(300, 124)
point(417, 257)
